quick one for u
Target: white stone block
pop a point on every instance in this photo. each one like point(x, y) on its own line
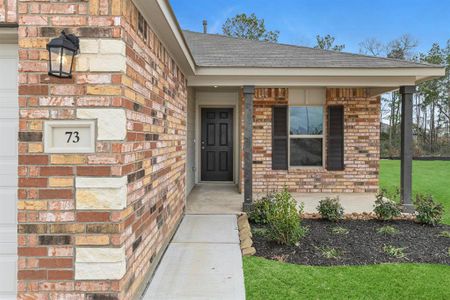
point(100, 263)
point(82, 63)
point(89, 46)
point(111, 122)
point(108, 46)
point(101, 193)
point(107, 63)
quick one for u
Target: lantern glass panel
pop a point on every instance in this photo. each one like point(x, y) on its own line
point(66, 62)
point(55, 60)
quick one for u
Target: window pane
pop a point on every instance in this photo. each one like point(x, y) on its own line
point(306, 120)
point(306, 152)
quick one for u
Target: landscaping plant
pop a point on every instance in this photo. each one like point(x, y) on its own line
point(387, 230)
point(384, 208)
point(258, 213)
point(331, 209)
point(339, 230)
point(445, 234)
point(329, 252)
point(283, 219)
point(427, 210)
point(393, 251)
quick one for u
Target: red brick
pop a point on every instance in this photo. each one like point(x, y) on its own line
point(92, 216)
point(94, 171)
point(32, 251)
point(56, 263)
point(33, 159)
point(32, 274)
point(32, 182)
point(60, 275)
point(55, 194)
point(56, 171)
point(33, 90)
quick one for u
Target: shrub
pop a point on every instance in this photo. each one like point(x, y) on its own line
point(384, 208)
point(329, 252)
point(427, 210)
point(387, 230)
point(445, 234)
point(393, 251)
point(331, 209)
point(339, 230)
point(258, 214)
point(283, 219)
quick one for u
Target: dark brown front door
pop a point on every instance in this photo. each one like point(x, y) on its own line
point(217, 144)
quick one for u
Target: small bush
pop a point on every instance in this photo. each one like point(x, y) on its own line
point(258, 214)
point(445, 234)
point(283, 219)
point(384, 208)
point(262, 232)
point(387, 230)
point(339, 230)
point(393, 251)
point(329, 252)
point(331, 209)
point(427, 210)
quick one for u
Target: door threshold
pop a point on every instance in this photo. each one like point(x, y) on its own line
point(216, 182)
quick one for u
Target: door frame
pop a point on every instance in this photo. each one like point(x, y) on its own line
point(236, 134)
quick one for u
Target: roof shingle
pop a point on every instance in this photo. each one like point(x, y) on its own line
point(213, 50)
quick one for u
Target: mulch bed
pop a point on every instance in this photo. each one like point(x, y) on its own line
point(361, 245)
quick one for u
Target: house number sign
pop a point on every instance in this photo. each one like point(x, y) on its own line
point(69, 136)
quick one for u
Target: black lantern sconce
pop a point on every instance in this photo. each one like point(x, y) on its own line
point(61, 52)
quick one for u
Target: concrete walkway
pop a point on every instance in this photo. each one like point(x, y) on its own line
point(203, 261)
point(219, 198)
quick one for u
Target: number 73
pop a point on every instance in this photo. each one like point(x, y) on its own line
point(72, 136)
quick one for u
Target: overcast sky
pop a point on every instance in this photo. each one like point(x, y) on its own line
point(350, 21)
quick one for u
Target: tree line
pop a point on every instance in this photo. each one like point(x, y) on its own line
point(431, 122)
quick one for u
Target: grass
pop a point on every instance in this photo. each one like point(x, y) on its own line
point(387, 230)
point(267, 279)
point(429, 177)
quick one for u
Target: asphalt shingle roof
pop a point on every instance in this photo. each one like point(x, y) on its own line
point(213, 50)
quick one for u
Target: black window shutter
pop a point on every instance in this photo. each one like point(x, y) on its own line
point(335, 145)
point(279, 138)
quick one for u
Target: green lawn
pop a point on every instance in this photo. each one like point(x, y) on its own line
point(266, 279)
point(429, 177)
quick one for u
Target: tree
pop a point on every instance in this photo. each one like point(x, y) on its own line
point(401, 48)
point(327, 43)
point(249, 27)
point(372, 47)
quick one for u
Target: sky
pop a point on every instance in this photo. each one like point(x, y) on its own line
point(350, 21)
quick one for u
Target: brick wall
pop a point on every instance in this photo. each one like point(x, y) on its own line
point(8, 11)
point(361, 146)
point(95, 224)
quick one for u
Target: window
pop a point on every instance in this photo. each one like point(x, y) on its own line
point(142, 26)
point(305, 136)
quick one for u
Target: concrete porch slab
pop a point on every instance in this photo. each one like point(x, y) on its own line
point(351, 202)
point(208, 198)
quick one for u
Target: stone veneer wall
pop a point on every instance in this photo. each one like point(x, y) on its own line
point(91, 226)
point(361, 146)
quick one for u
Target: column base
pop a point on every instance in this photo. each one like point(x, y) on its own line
point(247, 206)
point(409, 208)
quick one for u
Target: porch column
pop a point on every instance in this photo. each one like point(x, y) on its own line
point(406, 155)
point(249, 92)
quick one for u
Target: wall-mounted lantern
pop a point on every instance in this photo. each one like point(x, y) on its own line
point(62, 51)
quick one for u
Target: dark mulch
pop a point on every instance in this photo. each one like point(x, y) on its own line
point(362, 245)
